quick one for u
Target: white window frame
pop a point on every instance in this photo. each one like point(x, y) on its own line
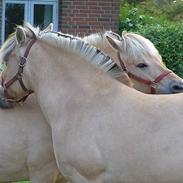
point(29, 12)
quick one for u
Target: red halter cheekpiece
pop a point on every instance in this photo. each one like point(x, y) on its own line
point(151, 84)
point(18, 77)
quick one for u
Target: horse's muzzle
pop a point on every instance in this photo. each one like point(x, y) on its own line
point(4, 103)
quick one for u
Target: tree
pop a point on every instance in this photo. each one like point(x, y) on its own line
point(172, 8)
point(132, 2)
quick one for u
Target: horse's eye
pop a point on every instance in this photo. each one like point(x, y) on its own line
point(142, 65)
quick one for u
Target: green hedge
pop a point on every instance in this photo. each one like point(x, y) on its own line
point(165, 35)
point(168, 39)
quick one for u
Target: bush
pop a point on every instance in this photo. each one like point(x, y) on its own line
point(132, 19)
point(168, 39)
point(165, 35)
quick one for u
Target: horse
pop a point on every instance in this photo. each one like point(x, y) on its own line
point(102, 130)
point(26, 150)
point(41, 118)
point(27, 153)
point(142, 61)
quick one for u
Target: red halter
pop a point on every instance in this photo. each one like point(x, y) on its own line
point(151, 84)
point(18, 77)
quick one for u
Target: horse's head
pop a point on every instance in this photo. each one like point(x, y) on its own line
point(144, 65)
point(15, 86)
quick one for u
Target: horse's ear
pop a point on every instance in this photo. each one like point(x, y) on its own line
point(113, 34)
point(116, 44)
point(20, 35)
point(49, 28)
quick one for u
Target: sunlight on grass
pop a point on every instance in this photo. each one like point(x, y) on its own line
point(22, 182)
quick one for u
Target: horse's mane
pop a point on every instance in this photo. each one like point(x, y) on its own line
point(95, 38)
point(99, 38)
point(89, 52)
point(70, 43)
point(134, 46)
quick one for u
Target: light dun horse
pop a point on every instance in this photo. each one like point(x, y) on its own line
point(140, 59)
point(102, 130)
point(27, 152)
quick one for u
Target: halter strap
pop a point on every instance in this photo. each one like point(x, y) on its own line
point(151, 84)
point(18, 76)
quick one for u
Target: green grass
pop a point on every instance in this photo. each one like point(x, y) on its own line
point(23, 182)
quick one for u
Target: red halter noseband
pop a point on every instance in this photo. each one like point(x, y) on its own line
point(151, 84)
point(18, 77)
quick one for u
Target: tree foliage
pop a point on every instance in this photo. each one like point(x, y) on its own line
point(172, 8)
point(168, 39)
point(132, 2)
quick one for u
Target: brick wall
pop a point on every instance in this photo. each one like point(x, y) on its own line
point(85, 16)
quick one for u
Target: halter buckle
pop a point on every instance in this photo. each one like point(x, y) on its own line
point(22, 61)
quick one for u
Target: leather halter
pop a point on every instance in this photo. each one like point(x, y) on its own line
point(151, 84)
point(18, 77)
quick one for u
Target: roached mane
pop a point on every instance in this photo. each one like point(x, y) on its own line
point(72, 44)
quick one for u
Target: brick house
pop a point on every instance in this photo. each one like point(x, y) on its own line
point(70, 16)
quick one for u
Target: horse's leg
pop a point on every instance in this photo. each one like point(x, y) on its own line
point(46, 174)
point(77, 165)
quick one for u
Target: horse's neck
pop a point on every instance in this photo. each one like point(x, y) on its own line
point(141, 87)
point(62, 80)
point(101, 42)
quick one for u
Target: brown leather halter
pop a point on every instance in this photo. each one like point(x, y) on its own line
point(18, 77)
point(151, 84)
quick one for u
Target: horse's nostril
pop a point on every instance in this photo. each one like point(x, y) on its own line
point(177, 88)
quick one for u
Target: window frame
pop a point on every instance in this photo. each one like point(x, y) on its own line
point(29, 12)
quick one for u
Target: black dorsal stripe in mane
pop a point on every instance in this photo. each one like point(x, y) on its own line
point(113, 67)
point(65, 35)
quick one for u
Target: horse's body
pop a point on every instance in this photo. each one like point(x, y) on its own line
point(26, 150)
point(103, 131)
point(32, 119)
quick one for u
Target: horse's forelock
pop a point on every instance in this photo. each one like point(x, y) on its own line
point(138, 41)
point(136, 46)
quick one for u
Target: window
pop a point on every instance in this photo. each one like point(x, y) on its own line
point(36, 12)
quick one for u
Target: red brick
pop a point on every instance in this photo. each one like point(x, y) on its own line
point(84, 17)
